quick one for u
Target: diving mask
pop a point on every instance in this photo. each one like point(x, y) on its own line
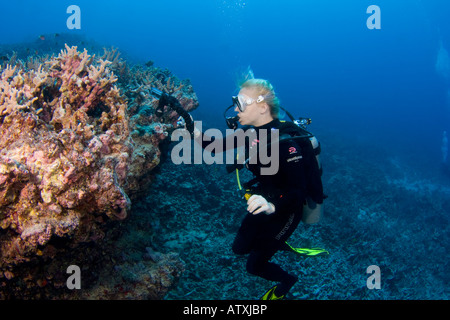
point(241, 101)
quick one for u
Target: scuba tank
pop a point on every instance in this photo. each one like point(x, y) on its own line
point(312, 211)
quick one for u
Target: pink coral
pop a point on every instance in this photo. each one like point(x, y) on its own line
point(54, 150)
point(70, 156)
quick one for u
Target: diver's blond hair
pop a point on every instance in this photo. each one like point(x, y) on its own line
point(265, 88)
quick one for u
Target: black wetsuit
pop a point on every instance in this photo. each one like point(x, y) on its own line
point(262, 235)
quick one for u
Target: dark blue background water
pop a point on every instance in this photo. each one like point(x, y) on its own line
point(322, 59)
point(378, 86)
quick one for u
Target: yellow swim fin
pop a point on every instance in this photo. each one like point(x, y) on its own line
point(308, 251)
point(270, 295)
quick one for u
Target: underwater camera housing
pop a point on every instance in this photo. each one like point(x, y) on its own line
point(174, 104)
point(158, 94)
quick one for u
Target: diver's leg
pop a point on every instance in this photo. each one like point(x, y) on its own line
point(258, 264)
point(247, 236)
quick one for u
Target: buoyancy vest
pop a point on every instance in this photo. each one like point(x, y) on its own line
point(313, 204)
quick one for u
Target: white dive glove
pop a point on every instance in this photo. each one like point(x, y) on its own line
point(257, 204)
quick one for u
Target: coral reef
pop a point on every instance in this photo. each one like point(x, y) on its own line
point(75, 151)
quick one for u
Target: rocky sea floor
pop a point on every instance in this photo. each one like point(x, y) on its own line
point(378, 212)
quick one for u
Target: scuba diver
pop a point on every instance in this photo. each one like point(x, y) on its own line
point(276, 202)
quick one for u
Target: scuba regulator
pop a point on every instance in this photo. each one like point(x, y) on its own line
point(173, 103)
point(232, 122)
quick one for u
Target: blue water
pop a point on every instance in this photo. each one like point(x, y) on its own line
point(368, 91)
point(323, 60)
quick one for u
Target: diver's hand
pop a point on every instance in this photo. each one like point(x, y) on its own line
point(257, 204)
point(182, 123)
point(197, 133)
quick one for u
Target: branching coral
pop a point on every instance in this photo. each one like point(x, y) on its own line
point(65, 152)
point(70, 156)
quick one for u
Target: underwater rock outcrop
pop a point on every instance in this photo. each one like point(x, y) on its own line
point(78, 140)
